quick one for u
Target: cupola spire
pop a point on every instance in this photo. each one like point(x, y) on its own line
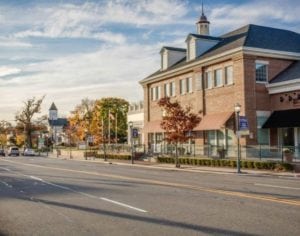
point(203, 23)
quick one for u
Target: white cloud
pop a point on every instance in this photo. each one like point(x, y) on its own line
point(110, 71)
point(5, 70)
point(269, 13)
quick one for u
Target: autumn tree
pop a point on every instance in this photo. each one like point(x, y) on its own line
point(4, 128)
point(25, 117)
point(80, 121)
point(178, 122)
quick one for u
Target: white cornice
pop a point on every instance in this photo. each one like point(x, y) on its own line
point(272, 53)
point(285, 86)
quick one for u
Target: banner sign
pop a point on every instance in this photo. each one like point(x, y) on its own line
point(135, 133)
point(243, 126)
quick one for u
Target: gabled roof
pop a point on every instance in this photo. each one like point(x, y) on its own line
point(252, 36)
point(58, 122)
point(174, 49)
point(290, 73)
point(53, 107)
point(200, 36)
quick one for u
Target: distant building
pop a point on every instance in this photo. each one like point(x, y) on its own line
point(136, 116)
point(56, 126)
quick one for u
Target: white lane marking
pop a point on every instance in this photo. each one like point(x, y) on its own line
point(89, 195)
point(4, 169)
point(122, 204)
point(275, 186)
point(6, 184)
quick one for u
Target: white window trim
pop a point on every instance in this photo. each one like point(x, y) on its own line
point(267, 72)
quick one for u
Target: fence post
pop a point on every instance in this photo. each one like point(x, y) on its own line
point(281, 154)
point(260, 152)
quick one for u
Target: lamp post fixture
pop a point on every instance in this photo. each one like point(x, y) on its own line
point(130, 124)
point(237, 109)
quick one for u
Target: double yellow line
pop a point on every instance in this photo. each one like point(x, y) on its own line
point(177, 185)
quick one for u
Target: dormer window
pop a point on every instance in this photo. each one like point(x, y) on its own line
point(170, 56)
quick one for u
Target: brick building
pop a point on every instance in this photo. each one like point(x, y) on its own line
point(255, 66)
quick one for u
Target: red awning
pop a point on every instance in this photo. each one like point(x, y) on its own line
point(214, 121)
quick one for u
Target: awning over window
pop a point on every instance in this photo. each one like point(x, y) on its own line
point(214, 121)
point(283, 119)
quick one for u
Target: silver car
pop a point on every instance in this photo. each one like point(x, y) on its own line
point(14, 151)
point(29, 152)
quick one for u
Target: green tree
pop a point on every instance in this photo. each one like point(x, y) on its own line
point(111, 113)
point(178, 122)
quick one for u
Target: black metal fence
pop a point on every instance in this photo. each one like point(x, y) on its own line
point(255, 152)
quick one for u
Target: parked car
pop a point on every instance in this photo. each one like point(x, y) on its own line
point(14, 151)
point(2, 152)
point(29, 152)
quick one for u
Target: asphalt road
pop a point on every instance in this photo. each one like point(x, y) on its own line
point(44, 196)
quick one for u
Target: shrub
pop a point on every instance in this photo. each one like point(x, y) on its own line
point(114, 156)
point(283, 167)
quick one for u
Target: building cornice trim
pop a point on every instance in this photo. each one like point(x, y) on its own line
point(284, 86)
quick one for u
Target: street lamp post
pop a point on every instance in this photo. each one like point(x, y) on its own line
point(237, 109)
point(130, 124)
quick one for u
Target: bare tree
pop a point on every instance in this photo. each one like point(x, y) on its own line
point(178, 122)
point(25, 117)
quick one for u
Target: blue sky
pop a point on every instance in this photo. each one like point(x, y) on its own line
point(70, 50)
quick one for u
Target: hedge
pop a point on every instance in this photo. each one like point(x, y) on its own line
point(114, 156)
point(246, 164)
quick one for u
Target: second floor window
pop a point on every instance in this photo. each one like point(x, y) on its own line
point(208, 80)
point(228, 75)
point(189, 85)
point(169, 89)
point(261, 72)
point(218, 77)
point(182, 86)
point(172, 89)
point(155, 93)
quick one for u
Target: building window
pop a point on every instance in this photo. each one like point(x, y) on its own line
point(167, 90)
point(155, 93)
point(228, 75)
point(172, 88)
point(198, 82)
point(152, 94)
point(208, 80)
point(182, 86)
point(218, 77)
point(189, 85)
point(261, 72)
point(263, 135)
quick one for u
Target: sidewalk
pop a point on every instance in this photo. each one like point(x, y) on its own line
point(186, 168)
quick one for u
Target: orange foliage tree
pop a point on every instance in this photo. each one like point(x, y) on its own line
point(178, 122)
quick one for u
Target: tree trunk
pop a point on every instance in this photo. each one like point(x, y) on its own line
point(177, 165)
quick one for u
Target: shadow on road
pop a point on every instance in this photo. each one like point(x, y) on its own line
point(159, 221)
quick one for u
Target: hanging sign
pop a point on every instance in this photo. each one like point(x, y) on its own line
point(243, 126)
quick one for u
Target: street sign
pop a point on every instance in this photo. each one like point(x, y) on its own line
point(135, 133)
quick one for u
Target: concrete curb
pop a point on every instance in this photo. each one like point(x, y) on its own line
point(187, 168)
